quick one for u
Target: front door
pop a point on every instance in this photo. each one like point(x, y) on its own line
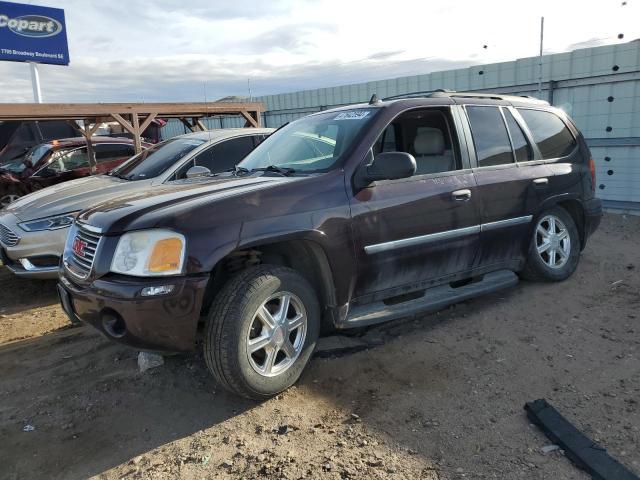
point(412, 233)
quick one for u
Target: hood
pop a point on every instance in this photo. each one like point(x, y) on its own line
point(153, 206)
point(72, 196)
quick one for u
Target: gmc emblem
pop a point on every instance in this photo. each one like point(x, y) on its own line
point(78, 246)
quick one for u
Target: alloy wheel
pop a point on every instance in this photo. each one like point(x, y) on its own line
point(553, 241)
point(276, 334)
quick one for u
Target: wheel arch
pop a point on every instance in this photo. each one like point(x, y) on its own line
point(574, 207)
point(299, 252)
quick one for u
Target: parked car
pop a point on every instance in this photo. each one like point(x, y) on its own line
point(60, 161)
point(17, 137)
point(342, 219)
point(34, 228)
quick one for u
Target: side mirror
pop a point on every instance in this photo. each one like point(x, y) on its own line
point(386, 166)
point(198, 171)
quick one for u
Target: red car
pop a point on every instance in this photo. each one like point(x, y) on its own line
point(59, 161)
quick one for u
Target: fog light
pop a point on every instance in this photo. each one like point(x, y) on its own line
point(159, 290)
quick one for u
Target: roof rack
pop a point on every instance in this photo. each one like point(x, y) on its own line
point(441, 92)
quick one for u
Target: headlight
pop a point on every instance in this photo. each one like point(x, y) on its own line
point(149, 253)
point(49, 223)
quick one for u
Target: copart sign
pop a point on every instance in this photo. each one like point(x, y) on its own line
point(29, 33)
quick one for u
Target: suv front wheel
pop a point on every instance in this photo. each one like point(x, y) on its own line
point(555, 247)
point(261, 331)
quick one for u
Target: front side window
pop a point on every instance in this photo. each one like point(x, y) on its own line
point(425, 134)
point(312, 144)
point(549, 132)
point(521, 146)
point(225, 155)
point(489, 136)
point(106, 152)
point(157, 159)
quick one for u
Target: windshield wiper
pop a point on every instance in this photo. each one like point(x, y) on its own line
point(286, 171)
point(236, 170)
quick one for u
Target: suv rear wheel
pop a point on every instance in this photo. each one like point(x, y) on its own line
point(555, 247)
point(261, 331)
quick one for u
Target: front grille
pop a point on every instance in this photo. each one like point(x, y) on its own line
point(7, 237)
point(84, 246)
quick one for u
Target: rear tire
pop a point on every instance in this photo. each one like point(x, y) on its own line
point(554, 251)
point(252, 346)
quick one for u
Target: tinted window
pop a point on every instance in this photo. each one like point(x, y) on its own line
point(110, 151)
point(225, 155)
point(489, 136)
point(520, 145)
point(549, 132)
point(157, 159)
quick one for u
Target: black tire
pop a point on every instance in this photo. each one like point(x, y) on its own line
point(536, 268)
point(232, 315)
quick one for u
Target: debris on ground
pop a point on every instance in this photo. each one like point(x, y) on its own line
point(147, 361)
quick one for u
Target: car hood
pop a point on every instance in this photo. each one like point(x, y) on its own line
point(72, 196)
point(147, 209)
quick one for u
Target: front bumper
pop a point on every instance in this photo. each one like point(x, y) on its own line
point(37, 254)
point(115, 307)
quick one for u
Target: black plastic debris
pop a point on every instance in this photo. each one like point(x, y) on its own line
point(581, 450)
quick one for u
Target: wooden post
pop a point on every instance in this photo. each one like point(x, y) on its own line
point(91, 153)
point(136, 136)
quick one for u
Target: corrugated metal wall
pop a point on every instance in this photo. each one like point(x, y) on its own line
point(599, 87)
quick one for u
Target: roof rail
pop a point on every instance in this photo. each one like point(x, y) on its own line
point(422, 94)
point(441, 92)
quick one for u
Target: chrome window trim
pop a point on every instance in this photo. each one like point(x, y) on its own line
point(446, 235)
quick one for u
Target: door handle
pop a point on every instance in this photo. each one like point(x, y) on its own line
point(541, 182)
point(461, 195)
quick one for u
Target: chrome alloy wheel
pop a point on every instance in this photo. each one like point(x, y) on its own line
point(553, 241)
point(276, 334)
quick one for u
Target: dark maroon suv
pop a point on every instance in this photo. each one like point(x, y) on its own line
point(342, 219)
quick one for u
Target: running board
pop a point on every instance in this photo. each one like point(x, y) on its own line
point(433, 299)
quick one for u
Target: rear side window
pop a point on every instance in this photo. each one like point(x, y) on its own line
point(490, 136)
point(521, 146)
point(549, 132)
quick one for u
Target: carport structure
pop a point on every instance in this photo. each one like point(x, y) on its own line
point(134, 117)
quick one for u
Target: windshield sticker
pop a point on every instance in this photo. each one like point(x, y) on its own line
point(352, 115)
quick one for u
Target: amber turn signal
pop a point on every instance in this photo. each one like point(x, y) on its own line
point(166, 255)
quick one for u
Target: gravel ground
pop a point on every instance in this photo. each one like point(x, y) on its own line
point(441, 399)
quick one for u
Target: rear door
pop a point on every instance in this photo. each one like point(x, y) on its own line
point(510, 176)
point(414, 232)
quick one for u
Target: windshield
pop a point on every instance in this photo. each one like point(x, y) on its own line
point(311, 144)
point(157, 159)
point(34, 156)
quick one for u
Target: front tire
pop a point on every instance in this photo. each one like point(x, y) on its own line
point(554, 251)
point(261, 331)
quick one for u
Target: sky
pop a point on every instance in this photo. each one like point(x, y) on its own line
point(189, 50)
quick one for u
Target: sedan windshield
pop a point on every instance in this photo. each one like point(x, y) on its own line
point(312, 144)
point(157, 159)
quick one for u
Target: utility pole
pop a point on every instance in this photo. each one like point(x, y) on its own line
point(540, 58)
point(35, 82)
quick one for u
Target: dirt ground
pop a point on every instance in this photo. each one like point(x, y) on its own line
point(442, 398)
